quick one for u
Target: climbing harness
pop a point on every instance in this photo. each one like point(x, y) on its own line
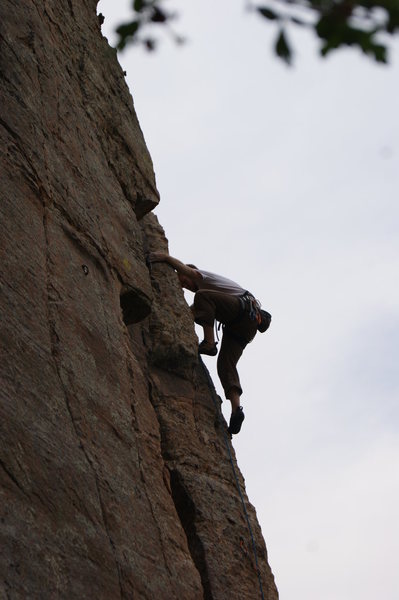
point(256, 313)
point(219, 413)
point(248, 305)
point(251, 306)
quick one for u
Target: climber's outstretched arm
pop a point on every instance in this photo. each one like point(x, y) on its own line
point(180, 267)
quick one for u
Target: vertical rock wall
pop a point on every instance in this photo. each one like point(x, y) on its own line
point(114, 471)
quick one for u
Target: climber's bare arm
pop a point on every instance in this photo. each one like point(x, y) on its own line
point(176, 264)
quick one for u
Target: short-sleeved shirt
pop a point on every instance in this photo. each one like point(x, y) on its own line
point(211, 281)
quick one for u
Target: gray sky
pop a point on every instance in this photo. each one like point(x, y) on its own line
point(285, 180)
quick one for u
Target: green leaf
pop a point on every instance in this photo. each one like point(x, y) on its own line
point(158, 15)
point(125, 32)
point(393, 22)
point(282, 48)
point(380, 53)
point(267, 13)
point(297, 21)
point(150, 44)
point(138, 5)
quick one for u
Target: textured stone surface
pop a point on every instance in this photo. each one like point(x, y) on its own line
point(114, 471)
point(194, 446)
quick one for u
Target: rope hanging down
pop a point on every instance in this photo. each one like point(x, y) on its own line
point(226, 441)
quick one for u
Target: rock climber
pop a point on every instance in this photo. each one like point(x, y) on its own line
point(218, 298)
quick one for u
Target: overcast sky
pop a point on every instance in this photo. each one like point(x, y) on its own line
point(286, 180)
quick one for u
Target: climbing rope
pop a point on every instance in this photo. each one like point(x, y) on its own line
point(220, 417)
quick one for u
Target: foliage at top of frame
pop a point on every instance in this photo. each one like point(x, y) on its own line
point(365, 24)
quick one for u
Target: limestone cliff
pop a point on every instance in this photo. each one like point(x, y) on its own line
point(115, 475)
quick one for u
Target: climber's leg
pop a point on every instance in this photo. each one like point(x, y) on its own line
point(234, 396)
point(209, 335)
point(208, 306)
point(229, 355)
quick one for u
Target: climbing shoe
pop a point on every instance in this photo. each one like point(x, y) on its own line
point(207, 348)
point(236, 419)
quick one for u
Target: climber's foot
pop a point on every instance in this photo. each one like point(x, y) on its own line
point(207, 348)
point(236, 420)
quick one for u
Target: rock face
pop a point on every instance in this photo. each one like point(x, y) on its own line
point(116, 480)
